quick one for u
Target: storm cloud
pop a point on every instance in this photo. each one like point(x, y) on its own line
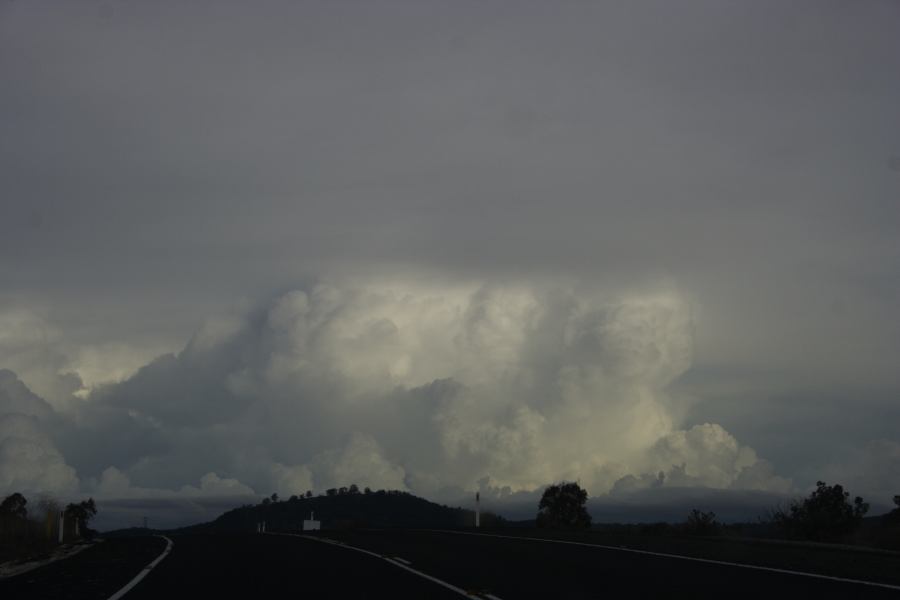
point(446, 247)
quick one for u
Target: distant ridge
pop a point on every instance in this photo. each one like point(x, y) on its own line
point(378, 509)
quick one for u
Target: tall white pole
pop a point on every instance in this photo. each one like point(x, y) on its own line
point(62, 524)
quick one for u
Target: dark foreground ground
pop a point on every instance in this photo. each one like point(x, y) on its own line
point(251, 565)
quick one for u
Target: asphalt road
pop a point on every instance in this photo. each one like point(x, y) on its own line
point(510, 568)
point(252, 565)
point(258, 566)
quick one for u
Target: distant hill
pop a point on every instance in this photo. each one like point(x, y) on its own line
point(378, 509)
point(128, 532)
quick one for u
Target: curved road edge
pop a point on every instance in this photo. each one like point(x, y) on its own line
point(137, 579)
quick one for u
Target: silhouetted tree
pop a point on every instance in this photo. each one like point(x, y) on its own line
point(274, 498)
point(331, 492)
point(309, 493)
point(82, 512)
point(14, 506)
point(894, 515)
point(826, 515)
point(354, 489)
point(563, 507)
point(701, 523)
point(367, 491)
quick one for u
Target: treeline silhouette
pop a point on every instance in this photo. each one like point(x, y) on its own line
point(30, 531)
point(347, 508)
point(827, 515)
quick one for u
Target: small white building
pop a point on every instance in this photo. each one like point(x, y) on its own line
point(311, 524)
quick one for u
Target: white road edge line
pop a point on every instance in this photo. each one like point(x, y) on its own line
point(144, 571)
point(393, 561)
point(403, 560)
point(666, 555)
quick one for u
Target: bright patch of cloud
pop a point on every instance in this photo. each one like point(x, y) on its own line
point(437, 389)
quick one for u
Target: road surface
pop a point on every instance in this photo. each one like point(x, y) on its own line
point(517, 568)
point(254, 565)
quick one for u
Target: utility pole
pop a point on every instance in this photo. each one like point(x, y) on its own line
point(477, 510)
point(62, 524)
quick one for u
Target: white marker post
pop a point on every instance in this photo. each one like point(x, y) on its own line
point(311, 524)
point(477, 510)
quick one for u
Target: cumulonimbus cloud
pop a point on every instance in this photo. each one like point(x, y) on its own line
point(435, 390)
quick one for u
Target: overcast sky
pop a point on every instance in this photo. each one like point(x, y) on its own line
point(448, 246)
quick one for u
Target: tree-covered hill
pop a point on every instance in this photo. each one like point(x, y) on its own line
point(346, 508)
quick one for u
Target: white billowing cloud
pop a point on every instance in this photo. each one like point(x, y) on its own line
point(31, 347)
point(110, 362)
point(114, 483)
point(59, 370)
point(29, 460)
point(436, 389)
point(374, 339)
point(707, 455)
point(433, 389)
point(293, 479)
point(361, 462)
point(16, 398)
point(213, 485)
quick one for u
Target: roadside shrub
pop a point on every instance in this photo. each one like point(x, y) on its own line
point(701, 523)
point(893, 517)
point(826, 515)
point(887, 535)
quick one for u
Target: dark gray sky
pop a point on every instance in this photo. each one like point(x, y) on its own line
point(431, 244)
